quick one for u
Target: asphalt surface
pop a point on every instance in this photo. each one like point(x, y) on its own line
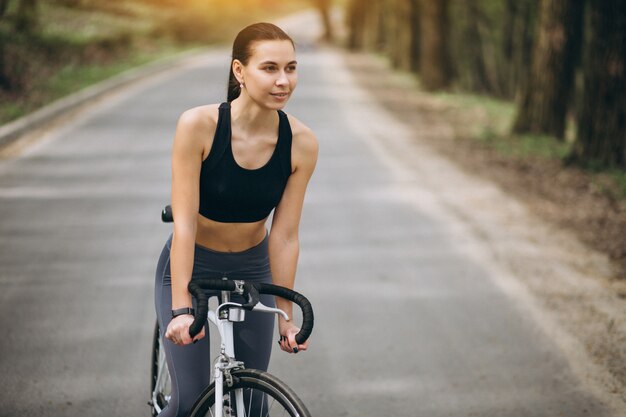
point(406, 323)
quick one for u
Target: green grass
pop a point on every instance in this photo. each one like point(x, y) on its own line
point(611, 182)
point(84, 26)
point(12, 111)
point(72, 78)
point(73, 48)
point(490, 124)
point(620, 179)
point(524, 146)
point(75, 76)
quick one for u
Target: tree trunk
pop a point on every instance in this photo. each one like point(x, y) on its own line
point(473, 49)
point(323, 6)
point(435, 70)
point(3, 7)
point(355, 20)
point(518, 30)
point(601, 137)
point(375, 35)
point(545, 102)
point(27, 17)
point(416, 31)
point(5, 81)
point(365, 23)
point(402, 34)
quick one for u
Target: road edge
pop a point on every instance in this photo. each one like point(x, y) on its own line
point(13, 131)
point(402, 145)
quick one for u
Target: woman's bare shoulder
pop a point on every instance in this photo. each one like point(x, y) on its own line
point(304, 146)
point(196, 127)
point(200, 117)
point(302, 136)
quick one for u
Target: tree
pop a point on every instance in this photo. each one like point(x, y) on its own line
point(374, 35)
point(323, 6)
point(544, 103)
point(403, 28)
point(478, 78)
point(434, 68)
point(27, 17)
point(3, 7)
point(354, 21)
point(518, 37)
point(601, 133)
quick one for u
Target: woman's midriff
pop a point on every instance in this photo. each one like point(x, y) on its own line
point(229, 237)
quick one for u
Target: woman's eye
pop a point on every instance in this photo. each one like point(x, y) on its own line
point(271, 68)
point(291, 68)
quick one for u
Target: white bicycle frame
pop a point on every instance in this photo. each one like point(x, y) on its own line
point(226, 360)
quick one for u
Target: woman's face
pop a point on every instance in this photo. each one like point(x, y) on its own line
point(270, 75)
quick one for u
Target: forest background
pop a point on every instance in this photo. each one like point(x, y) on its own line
point(535, 90)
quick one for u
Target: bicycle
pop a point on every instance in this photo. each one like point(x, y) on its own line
point(234, 387)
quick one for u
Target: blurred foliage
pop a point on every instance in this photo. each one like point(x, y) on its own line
point(528, 51)
point(489, 121)
point(94, 39)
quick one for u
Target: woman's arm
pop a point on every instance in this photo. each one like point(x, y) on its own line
point(187, 155)
point(283, 241)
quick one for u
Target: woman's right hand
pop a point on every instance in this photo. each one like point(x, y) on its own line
point(178, 330)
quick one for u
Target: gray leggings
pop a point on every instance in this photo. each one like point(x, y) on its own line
point(190, 366)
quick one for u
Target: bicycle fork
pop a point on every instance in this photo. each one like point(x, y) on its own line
point(225, 362)
point(223, 407)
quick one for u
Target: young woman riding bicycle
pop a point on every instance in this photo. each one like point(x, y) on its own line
point(232, 164)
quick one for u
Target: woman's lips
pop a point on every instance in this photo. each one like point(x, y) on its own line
point(280, 96)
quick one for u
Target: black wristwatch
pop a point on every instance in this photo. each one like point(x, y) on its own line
point(183, 311)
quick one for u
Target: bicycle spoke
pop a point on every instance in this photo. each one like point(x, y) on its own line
point(250, 403)
point(269, 408)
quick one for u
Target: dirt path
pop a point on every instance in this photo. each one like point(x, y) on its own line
point(569, 288)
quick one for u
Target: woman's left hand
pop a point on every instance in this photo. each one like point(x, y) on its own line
point(287, 340)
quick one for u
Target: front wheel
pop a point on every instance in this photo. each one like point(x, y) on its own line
point(263, 395)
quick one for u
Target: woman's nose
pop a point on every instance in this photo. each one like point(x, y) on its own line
point(282, 79)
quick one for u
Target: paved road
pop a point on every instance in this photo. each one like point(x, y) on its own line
point(407, 323)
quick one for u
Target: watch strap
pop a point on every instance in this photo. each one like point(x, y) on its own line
point(183, 311)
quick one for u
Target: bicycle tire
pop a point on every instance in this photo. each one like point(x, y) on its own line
point(158, 360)
point(155, 356)
point(254, 381)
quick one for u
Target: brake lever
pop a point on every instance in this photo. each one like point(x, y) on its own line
point(260, 307)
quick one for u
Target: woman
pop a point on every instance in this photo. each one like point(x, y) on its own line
point(229, 170)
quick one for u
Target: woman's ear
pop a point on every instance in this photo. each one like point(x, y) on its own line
point(238, 70)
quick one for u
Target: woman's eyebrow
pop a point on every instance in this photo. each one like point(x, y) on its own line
point(274, 63)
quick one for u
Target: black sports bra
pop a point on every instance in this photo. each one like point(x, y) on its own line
point(232, 194)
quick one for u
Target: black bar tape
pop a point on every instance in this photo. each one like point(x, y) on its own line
point(214, 284)
point(166, 215)
point(202, 308)
point(197, 287)
point(251, 293)
point(307, 310)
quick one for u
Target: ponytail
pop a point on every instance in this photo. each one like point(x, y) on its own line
point(234, 89)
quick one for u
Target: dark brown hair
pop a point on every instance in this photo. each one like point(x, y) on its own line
point(242, 49)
